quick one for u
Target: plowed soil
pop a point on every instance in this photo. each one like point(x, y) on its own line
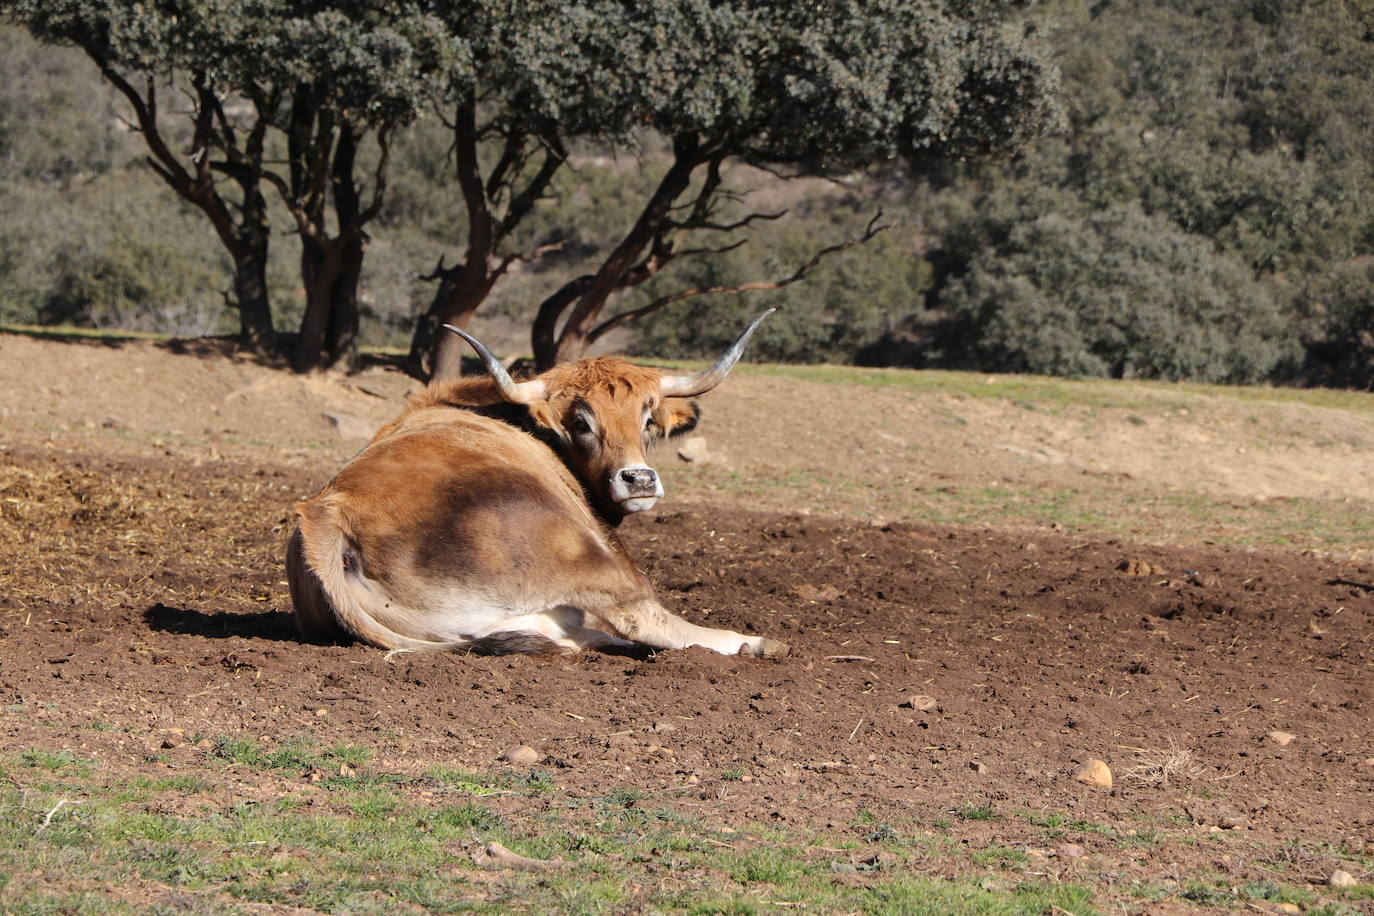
point(932, 667)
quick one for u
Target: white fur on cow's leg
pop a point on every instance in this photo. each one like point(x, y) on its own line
point(652, 624)
point(564, 626)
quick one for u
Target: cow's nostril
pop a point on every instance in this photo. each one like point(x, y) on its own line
point(638, 477)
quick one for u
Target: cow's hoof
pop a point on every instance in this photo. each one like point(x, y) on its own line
point(771, 648)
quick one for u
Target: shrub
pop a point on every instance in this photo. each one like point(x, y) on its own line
point(1114, 293)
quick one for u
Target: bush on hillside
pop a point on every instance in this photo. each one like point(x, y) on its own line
point(1114, 293)
point(1340, 317)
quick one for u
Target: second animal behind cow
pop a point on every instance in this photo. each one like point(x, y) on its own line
point(483, 518)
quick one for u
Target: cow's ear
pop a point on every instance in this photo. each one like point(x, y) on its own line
point(543, 414)
point(676, 416)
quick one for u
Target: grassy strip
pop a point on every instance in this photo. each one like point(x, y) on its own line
point(1182, 516)
point(78, 838)
point(1048, 392)
point(311, 825)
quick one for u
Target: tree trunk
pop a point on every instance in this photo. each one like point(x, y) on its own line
point(543, 336)
point(463, 292)
point(462, 289)
point(572, 340)
point(342, 341)
point(251, 295)
point(348, 248)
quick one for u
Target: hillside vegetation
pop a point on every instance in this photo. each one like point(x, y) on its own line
point(1205, 214)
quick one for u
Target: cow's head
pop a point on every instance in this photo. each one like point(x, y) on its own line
point(605, 413)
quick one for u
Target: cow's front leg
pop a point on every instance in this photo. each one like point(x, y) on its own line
point(648, 622)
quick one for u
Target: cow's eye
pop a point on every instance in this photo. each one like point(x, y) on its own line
point(578, 426)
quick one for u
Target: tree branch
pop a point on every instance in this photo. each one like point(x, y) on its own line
point(623, 318)
point(521, 204)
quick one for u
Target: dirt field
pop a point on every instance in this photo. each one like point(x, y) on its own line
point(939, 667)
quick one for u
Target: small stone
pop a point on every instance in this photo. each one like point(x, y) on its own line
point(1287, 908)
point(521, 755)
point(826, 592)
point(920, 702)
point(664, 727)
point(978, 767)
point(1282, 739)
point(1341, 878)
point(321, 712)
point(693, 450)
point(692, 779)
point(349, 426)
point(1069, 851)
point(1094, 773)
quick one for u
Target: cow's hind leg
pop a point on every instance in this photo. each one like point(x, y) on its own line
point(314, 615)
point(562, 628)
point(648, 622)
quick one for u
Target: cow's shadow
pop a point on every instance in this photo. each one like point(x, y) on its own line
point(281, 627)
point(273, 625)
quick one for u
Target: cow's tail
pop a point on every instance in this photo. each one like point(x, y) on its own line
point(332, 597)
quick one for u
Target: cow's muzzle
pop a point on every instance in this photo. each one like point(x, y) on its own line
point(635, 489)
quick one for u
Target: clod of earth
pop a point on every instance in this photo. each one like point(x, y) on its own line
point(1094, 773)
point(920, 702)
point(1140, 568)
point(1282, 739)
point(826, 592)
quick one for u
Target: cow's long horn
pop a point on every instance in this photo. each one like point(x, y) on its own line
point(686, 386)
point(511, 390)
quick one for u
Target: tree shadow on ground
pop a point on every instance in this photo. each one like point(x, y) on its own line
point(273, 625)
point(212, 346)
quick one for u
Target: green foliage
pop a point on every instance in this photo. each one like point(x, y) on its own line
point(1115, 293)
point(832, 81)
point(972, 812)
point(1339, 305)
point(1203, 216)
point(1247, 165)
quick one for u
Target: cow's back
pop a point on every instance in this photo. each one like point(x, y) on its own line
point(450, 514)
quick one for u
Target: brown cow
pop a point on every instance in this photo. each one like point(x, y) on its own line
point(483, 518)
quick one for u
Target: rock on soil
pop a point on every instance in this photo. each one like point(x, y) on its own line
point(521, 755)
point(1094, 773)
point(694, 451)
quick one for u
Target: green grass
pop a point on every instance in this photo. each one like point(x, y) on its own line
point(1295, 522)
point(78, 837)
point(249, 829)
point(972, 812)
